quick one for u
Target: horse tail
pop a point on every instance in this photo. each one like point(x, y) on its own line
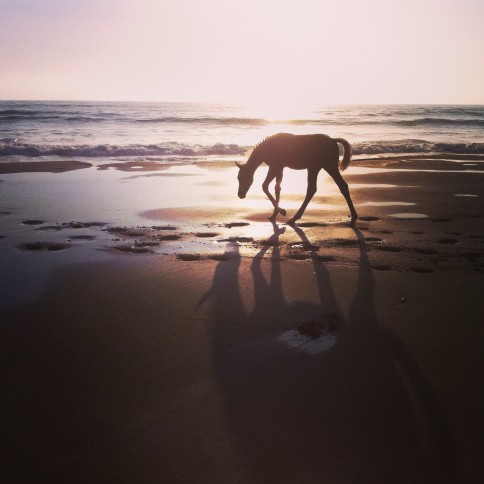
point(347, 153)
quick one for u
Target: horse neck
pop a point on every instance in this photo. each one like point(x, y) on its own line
point(254, 160)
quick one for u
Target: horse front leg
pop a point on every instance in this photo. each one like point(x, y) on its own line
point(275, 201)
point(277, 190)
point(311, 190)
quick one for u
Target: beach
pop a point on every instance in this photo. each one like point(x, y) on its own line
point(156, 328)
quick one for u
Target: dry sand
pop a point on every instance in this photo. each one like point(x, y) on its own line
point(157, 329)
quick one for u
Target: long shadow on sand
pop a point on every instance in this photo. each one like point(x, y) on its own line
point(361, 412)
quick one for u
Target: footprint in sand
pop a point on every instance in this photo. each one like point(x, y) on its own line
point(41, 246)
point(82, 237)
point(83, 225)
point(369, 219)
point(49, 227)
point(390, 248)
point(163, 238)
point(441, 219)
point(163, 227)
point(421, 270)
point(206, 234)
point(312, 224)
point(32, 222)
point(382, 268)
point(304, 246)
point(448, 241)
point(271, 243)
point(236, 224)
point(298, 256)
point(237, 239)
point(341, 242)
point(129, 232)
point(189, 257)
point(324, 258)
point(133, 249)
point(373, 239)
point(425, 251)
point(221, 257)
point(472, 256)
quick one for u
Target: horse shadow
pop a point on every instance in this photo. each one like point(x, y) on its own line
point(360, 412)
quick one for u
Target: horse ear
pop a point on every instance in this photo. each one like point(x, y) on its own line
point(238, 165)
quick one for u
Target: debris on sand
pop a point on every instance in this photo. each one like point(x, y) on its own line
point(327, 325)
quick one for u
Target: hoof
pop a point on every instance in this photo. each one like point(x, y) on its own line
point(353, 221)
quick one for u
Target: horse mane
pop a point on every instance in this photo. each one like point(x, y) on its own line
point(253, 148)
point(263, 141)
point(260, 143)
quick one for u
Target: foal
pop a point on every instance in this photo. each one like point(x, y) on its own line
point(299, 152)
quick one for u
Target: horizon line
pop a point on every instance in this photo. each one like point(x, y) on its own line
point(240, 103)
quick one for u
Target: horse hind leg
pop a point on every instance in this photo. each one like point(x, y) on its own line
point(344, 189)
point(311, 190)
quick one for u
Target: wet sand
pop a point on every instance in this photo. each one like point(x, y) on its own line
point(42, 166)
point(147, 337)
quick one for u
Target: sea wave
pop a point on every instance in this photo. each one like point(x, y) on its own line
point(415, 147)
point(323, 121)
point(455, 118)
point(381, 121)
point(7, 117)
point(11, 148)
point(114, 151)
point(206, 120)
point(441, 122)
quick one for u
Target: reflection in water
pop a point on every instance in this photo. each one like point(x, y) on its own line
point(360, 412)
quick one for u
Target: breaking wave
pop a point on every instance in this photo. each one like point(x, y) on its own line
point(9, 147)
point(415, 147)
point(114, 151)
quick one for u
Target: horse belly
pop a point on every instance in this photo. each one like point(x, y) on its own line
point(304, 159)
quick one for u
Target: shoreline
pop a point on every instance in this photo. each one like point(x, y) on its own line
point(378, 161)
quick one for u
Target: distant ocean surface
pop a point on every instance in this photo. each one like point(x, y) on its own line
point(101, 132)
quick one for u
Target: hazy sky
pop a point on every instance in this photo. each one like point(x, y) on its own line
point(252, 51)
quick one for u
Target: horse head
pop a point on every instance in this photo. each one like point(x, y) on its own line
point(245, 177)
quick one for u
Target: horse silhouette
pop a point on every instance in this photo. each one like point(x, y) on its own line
point(298, 152)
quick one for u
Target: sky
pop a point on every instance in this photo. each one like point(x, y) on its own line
point(268, 52)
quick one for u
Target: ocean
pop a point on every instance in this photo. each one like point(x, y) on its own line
point(100, 132)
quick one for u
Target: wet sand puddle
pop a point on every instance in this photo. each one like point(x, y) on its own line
point(409, 215)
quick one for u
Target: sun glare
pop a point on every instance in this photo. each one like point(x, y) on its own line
point(276, 110)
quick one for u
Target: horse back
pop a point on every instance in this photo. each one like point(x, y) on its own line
point(301, 152)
